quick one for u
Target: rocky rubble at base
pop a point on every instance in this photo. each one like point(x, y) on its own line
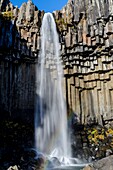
point(103, 164)
point(90, 143)
point(28, 161)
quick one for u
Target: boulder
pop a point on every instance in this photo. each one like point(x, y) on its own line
point(88, 168)
point(13, 168)
point(103, 164)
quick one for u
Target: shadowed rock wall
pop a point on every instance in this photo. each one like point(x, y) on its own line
point(17, 66)
point(86, 37)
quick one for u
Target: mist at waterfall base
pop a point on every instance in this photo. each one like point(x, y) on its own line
point(51, 131)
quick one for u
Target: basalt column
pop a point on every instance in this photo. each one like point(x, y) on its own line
point(86, 39)
point(86, 33)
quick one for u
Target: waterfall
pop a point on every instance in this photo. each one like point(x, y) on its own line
point(51, 132)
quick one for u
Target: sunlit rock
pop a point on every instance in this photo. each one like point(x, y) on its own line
point(30, 8)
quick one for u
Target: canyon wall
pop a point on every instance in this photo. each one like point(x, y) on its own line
point(86, 40)
point(87, 54)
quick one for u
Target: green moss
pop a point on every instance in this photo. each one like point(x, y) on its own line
point(8, 15)
point(100, 138)
point(62, 24)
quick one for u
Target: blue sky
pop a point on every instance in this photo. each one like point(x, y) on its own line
point(46, 5)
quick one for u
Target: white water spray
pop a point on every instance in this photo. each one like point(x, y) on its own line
point(50, 118)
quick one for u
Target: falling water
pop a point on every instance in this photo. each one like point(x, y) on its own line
point(50, 118)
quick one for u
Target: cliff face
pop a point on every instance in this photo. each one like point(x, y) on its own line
point(17, 61)
point(86, 37)
point(87, 53)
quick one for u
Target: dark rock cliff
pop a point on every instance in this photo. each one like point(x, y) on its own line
point(85, 32)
